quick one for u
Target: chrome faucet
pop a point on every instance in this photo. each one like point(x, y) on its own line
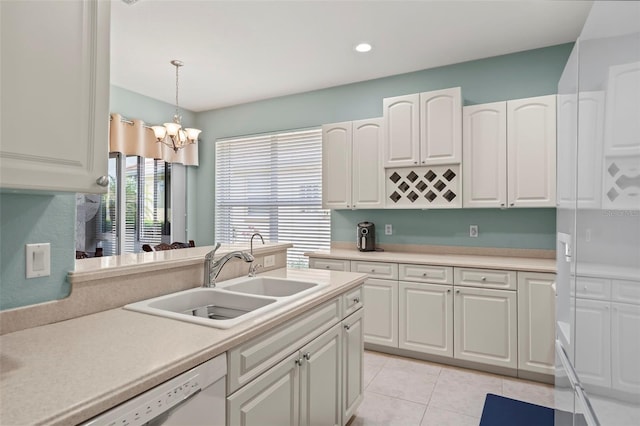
point(213, 267)
point(251, 242)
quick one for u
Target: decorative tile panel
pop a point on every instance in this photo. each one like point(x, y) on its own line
point(424, 187)
point(622, 183)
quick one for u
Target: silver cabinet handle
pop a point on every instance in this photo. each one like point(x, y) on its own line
point(422, 161)
point(501, 204)
point(424, 274)
point(102, 181)
point(307, 356)
point(298, 361)
point(483, 278)
point(457, 291)
point(512, 204)
point(373, 270)
point(449, 290)
point(415, 162)
point(327, 267)
point(356, 300)
point(347, 327)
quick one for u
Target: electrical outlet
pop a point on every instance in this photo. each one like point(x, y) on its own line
point(473, 231)
point(38, 260)
point(388, 229)
point(269, 260)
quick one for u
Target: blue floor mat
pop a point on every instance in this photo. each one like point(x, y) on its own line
point(501, 411)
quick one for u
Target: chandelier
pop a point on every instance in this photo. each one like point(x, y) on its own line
point(172, 134)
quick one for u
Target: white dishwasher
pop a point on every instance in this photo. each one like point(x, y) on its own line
point(194, 398)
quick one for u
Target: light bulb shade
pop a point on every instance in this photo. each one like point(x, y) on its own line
point(160, 132)
point(182, 138)
point(172, 128)
point(192, 134)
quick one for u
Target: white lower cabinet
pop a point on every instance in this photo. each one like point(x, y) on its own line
point(271, 399)
point(536, 322)
point(496, 317)
point(352, 365)
point(426, 318)
point(486, 326)
point(592, 345)
point(381, 312)
point(321, 379)
point(319, 383)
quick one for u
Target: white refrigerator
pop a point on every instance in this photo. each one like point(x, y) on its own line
point(598, 222)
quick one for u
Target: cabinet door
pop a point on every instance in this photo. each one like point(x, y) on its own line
point(368, 173)
point(426, 318)
point(441, 127)
point(352, 363)
point(336, 165)
point(485, 326)
point(531, 152)
point(625, 337)
point(271, 399)
point(622, 110)
point(321, 380)
point(381, 312)
point(484, 165)
point(592, 343)
point(536, 322)
point(55, 107)
point(402, 130)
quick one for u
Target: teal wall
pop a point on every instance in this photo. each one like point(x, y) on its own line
point(28, 218)
point(513, 228)
point(36, 218)
point(519, 75)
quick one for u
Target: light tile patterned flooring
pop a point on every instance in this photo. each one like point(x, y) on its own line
point(405, 392)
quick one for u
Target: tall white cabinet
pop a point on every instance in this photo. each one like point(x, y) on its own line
point(352, 174)
point(55, 107)
point(509, 153)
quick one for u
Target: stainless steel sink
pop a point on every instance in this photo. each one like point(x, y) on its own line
point(270, 286)
point(207, 306)
point(228, 304)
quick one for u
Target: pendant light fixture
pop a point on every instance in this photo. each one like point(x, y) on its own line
point(172, 134)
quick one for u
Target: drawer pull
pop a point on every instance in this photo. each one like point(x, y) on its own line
point(457, 291)
point(347, 327)
point(356, 300)
point(307, 356)
point(424, 274)
point(449, 290)
point(298, 361)
point(483, 278)
point(373, 270)
point(327, 267)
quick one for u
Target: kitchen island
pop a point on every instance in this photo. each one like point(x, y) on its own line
point(70, 371)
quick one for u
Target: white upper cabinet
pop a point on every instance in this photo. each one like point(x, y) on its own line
point(55, 107)
point(484, 148)
point(441, 127)
point(531, 152)
point(402, 130)
point(367, 182)
point(423, 129)
point(336, 165)
point(623, 107)
point(510, 153)
point(352, 173)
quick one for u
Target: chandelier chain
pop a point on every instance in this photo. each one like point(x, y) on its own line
point(177, 105)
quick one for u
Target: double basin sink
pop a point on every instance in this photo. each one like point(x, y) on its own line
point(230, 302)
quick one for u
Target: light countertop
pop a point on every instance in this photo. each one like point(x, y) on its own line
point(460, 260)
point(67, 372)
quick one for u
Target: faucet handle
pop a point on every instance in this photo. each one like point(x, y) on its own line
point(253, 268)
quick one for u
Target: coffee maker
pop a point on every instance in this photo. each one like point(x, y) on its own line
point(366, 236)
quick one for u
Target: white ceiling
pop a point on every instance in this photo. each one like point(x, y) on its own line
point(242, 51)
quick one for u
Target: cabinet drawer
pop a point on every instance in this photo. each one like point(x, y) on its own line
point(387, 271)
point(593, 288)
point(486, 278)
point(352, 301)
point(330, 264)
point(251, 358)
point(625, 291)
point(426, 273)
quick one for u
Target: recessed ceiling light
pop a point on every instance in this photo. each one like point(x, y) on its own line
point(363, 47)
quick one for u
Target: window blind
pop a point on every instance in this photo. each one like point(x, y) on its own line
point(272, 184)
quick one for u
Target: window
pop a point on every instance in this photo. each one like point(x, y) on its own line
point(134, 211)
point(272, 184)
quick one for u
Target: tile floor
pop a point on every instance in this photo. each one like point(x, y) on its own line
point(405, 392)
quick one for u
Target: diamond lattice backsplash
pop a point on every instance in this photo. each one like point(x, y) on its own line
point(424, 187)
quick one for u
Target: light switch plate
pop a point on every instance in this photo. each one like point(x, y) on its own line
point(38, 260)
point(473, 231)
point(269, 261)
